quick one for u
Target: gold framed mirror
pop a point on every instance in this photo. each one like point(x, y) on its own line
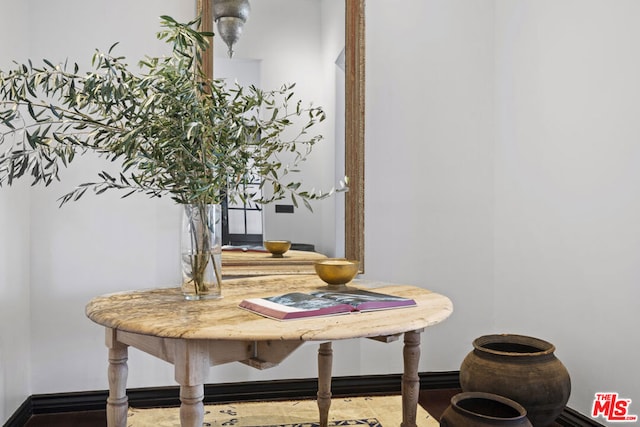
point(354, 118)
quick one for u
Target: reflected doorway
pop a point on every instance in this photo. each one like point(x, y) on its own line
point(242, 221)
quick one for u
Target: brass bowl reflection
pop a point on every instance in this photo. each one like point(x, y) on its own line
point(335, 271)
point(277, 247)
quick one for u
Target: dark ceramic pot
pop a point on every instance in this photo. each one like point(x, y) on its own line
point(476, 409)
point(521, 368)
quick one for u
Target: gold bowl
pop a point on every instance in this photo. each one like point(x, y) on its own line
point(336, 271)
point(277, 247)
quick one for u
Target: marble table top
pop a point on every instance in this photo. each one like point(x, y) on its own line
point(164, 313)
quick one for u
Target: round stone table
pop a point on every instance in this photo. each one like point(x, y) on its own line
point(195, 335)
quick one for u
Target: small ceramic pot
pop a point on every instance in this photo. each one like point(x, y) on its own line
point(477, 409)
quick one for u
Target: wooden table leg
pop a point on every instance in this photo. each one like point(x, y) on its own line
point(191, 366)
point(410, 378)
point(191, 407)
point(325, 361)
point(117, 402)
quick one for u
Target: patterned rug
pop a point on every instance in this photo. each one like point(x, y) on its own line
point(378, 411)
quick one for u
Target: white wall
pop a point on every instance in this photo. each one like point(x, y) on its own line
point(567, 177)
point(99, 244)
point(429, 154)
point(506, 135)
point(15, 329)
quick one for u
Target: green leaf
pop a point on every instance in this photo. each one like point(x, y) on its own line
point(171, 130)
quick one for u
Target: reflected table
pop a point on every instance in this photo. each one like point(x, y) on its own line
point(195, 335)
point(261, 263)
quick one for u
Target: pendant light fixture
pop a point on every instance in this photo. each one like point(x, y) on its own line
point(230, 16)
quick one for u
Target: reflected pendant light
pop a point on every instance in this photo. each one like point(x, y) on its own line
point(230, 15)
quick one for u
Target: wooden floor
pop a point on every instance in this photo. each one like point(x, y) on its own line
point(434, 401)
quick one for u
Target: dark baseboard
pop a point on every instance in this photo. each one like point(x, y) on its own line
point(22, 414)
point(53, 403)
point(238, 392)
point(246, 391)
point(572, 418)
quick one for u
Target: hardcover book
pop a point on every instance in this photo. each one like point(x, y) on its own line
point(298, 305)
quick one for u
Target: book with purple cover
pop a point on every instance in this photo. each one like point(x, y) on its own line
point(297, 305)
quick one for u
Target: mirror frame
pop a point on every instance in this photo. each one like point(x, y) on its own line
point(354, 117)
point(354, 129)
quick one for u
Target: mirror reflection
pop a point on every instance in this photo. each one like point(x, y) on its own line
point(302, 42)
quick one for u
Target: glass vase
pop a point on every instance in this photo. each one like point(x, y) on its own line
point(201, 251)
